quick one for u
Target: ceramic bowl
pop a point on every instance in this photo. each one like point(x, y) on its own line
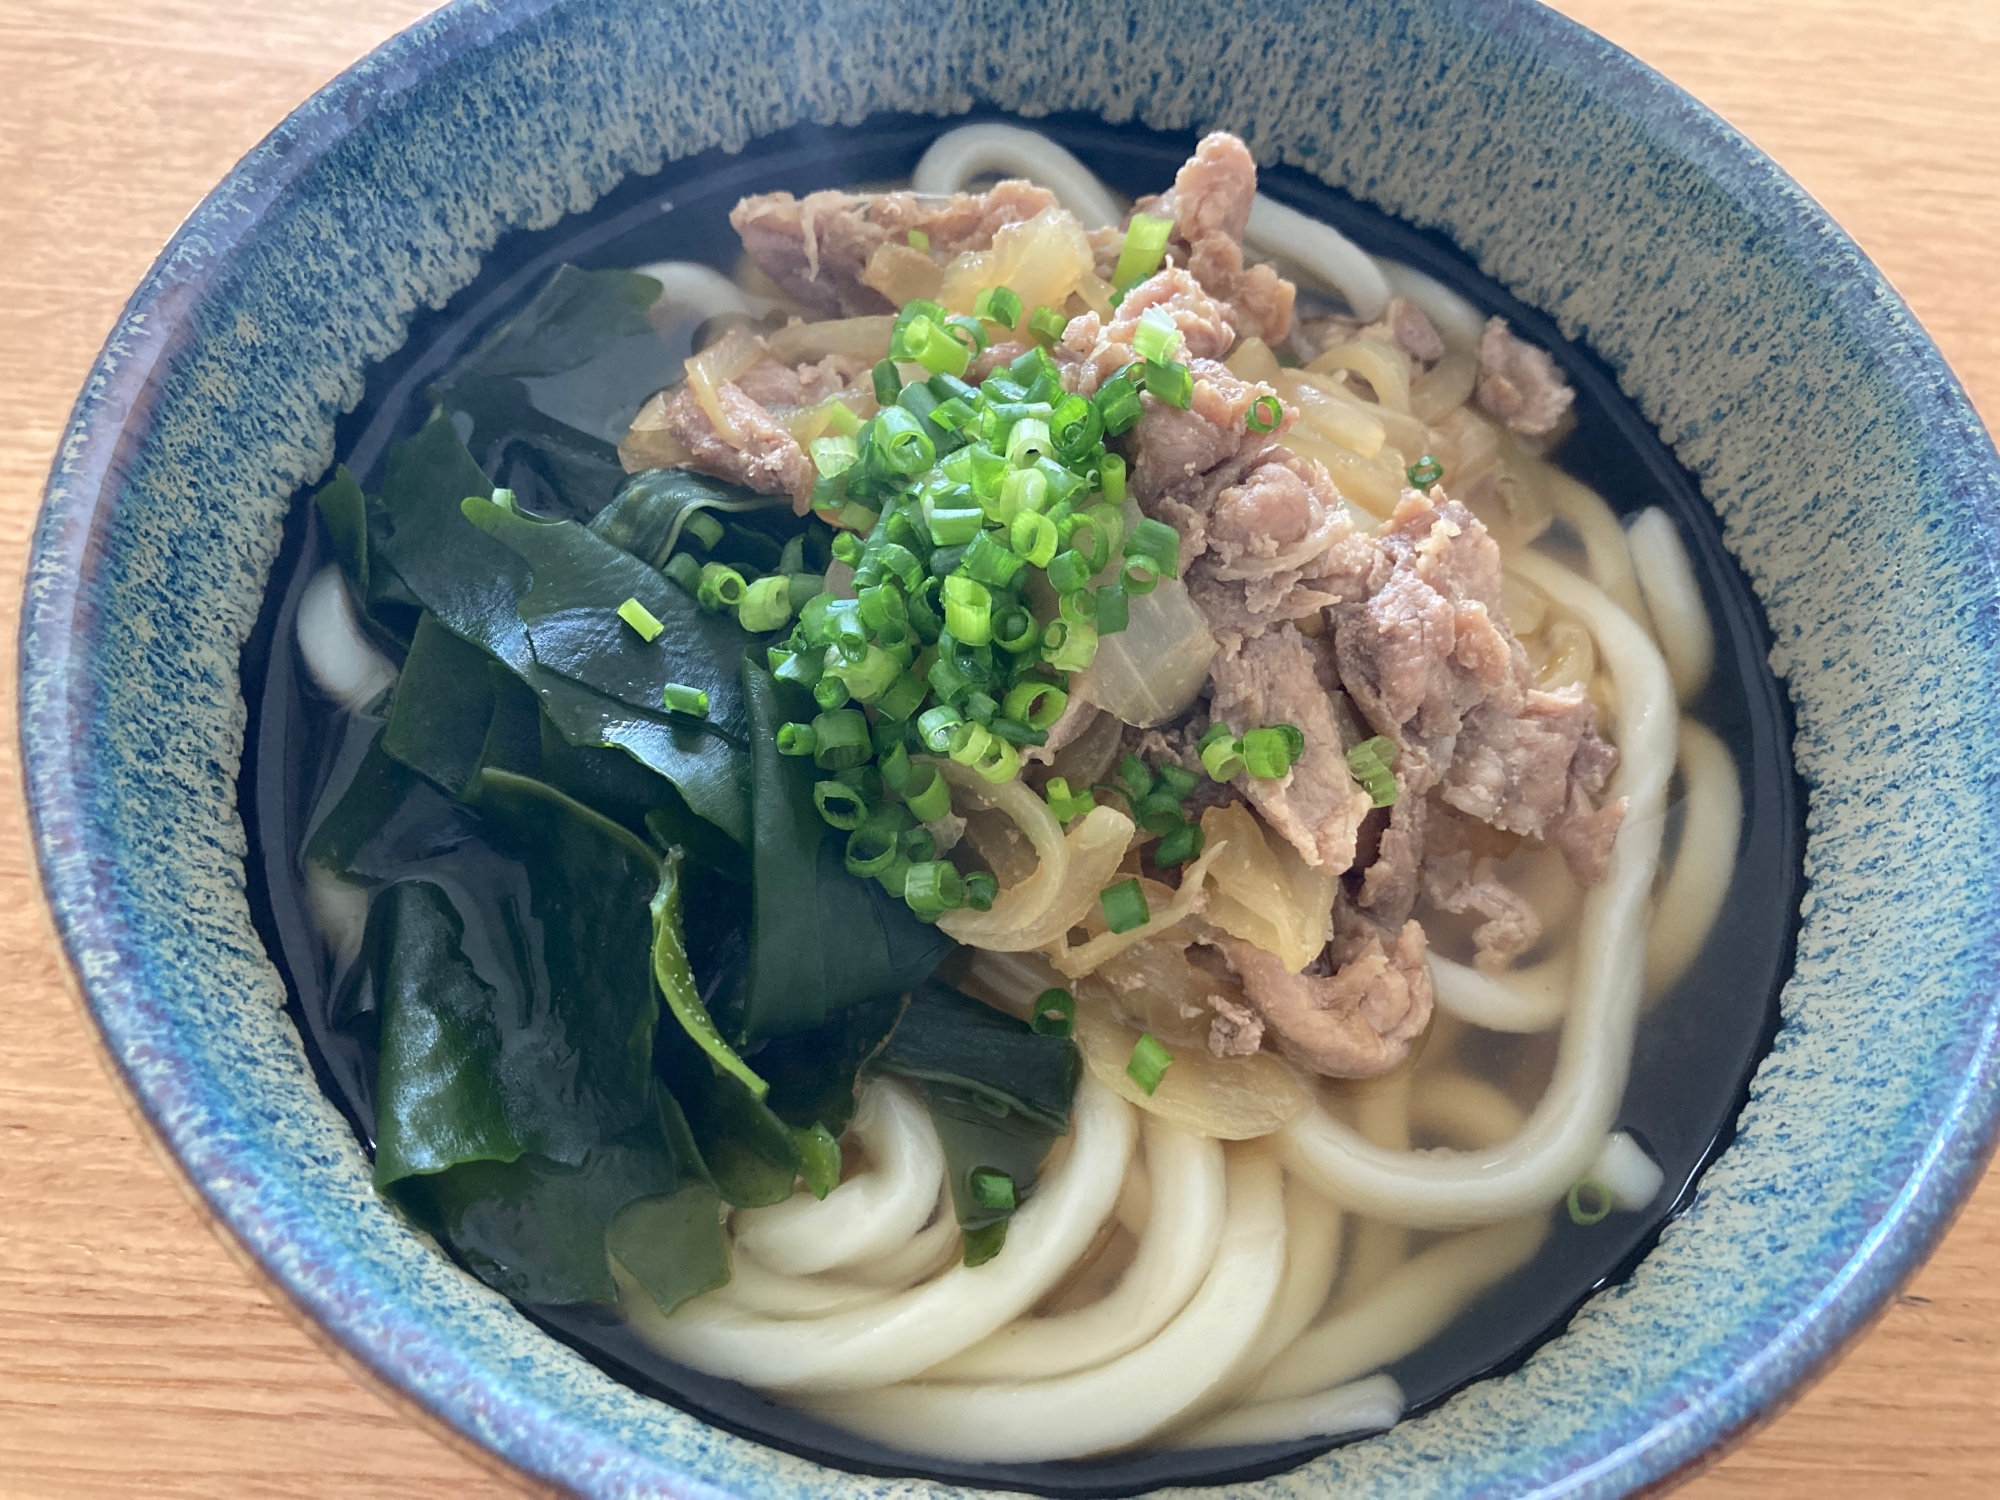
point(1851, 480)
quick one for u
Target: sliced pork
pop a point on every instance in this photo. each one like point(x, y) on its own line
point(1356, 1023)
point(1521, 384)
point(1210, 206)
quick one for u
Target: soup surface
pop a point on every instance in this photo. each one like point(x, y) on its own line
point(1695, 1042)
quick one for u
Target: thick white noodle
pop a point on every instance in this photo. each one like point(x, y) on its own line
point(1673, 598)
point(1698, 884)
point(1183, 1226)
point(758, 1289)
point(1312, 1256)
point(1371, 1405)
point(872, 1212)
point(1115, 1404)
point(1409, 1309)
point(906, 1334)
point(343, 663)
point(958, 156)
point(1596, 524)
point(1460, 323)
point(691, 290)
point(1468, 1113)
point(1322, 250)
point(1634, 1178)
point(920, 1259)
point(1443, 1189)
point(1523, 1001)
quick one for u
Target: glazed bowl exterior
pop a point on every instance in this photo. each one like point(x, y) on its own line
point(1852, 481)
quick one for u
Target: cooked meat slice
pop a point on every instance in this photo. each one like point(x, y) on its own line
point(774, 383)
point(1511, 765)
point(1181, 460)
point(1092, 351)
point(768, 459)
point(1359, 1022)
point(1236, 1031)
point(1520, 384)
point(817, 247)
point(1584, 834)
point(1390, 884)
point(1316, 806)
point(1078, 714)
point(1459, 883)
point(1210, 206)
point(993, 357)
point(1429, 643)
point(1406, 325)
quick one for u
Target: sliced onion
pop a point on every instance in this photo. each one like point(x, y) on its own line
point(1265, 894)
point(1153, 669)
point(1070, 870)
point(729, 356)
point(1179, 906)
point(1226, 1098)
point(865, 339)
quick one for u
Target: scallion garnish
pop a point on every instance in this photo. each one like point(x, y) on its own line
point(1054, 1013)
point(1589, 1202)
point(1372, 764)
point(1180, 846)
point(796, 739)
point(1266, 412)
point(1140, 255)
point(721, 587)
point(1062, 804)
point(1048, 322)
point(1267, 753)
point(928, 796)
point(1221, 754)
point(1422, 474)
point(1149, 1063)
point(998, 304)
point(1156, 337)
point(994, 1190)
point(1124, 905)
point(980, 890)
point(840, 739)
point(767, 604)
point(1170, 383)
point(888, 382)
point(641, 619)
point(703, 528)
point(682, 699)
point(919, 241)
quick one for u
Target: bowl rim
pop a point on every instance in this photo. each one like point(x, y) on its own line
point(107, 423)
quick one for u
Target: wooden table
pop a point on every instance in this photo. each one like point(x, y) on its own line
point(137, 1358)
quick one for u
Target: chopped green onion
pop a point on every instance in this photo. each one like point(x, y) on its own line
point(685, 571)
point(968, 331)
point(704, 528)
point(1068, 571)
point(1036, 703)
point(902, 697)
point(1034, 536)
point(682, 699)
point(1371, 763)
point(721, 587)
point(1267, 753)
point(904, 444)
point(888, 382)
point(796, 739)
point(935, 349)
point(1136, 777)
point(968, 610)
point(1124, 906)
point(641, 619)
point(933, 886)
point(1145, 243)
point(1054, 1013)
point(871, 848)
point(1023, 490)
point(952, 528)
point(1159, 813)
point(935, 727)
point(1159, 541)
point(1140, 577)
point(1094, 534)
point(980, 890)
point(1114, 609)
point(952, 414)
point(847, 548)
point(1015, 630)
point(819, 1159)
point(1156, 336)
point(829, 692)
point(1596, 1209)
point(917, 845)
point(982, 1244)
point(1048, 322)
point(766, 605)
point(1424, 473)
point(840, 739)
point(1028, 441)
point(1111, 478)
point(928, 795)
point(840, 417)
point(919, 240)
point(867, 679)
point(1067, 647)
point(988, 561)
point(1149, 1064)
point(1062, 804)
point(1174, 779)
point(1295, 740)
point(1266, 412)
point(1180, 846)
point(834, 455)
point(1169, 383)
point(1118, 404)
point(998, 304)
point(1221, 753)
point(993, 1190)
point(840, 805)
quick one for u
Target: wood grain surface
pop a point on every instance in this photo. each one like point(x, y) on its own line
point(137, 1358)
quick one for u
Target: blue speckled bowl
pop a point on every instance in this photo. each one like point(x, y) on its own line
point(1852, 479)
